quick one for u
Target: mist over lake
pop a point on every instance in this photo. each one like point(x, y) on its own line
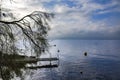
point(101, 63)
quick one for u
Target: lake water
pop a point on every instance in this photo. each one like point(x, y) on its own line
point(101, 63)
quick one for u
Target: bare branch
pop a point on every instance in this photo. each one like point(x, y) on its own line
point(33, 27)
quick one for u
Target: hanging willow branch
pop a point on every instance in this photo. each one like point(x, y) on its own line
point(30, 31)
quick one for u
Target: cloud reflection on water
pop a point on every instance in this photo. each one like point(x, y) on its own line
point(100, 63)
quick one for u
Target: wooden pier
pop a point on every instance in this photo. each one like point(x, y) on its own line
point(43, 66)
point(36, 59)
point(47, 59)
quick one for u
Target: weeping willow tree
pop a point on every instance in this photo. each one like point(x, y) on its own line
point(28, 33)
point(17, 36)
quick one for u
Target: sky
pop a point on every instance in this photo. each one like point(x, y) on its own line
point(74, 19)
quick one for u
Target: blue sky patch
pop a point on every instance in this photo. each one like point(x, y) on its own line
point(102, 1)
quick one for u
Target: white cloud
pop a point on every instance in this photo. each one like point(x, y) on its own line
point(21, 8)
point(69, 20)
point(88, 6)
point(78, 21)
point(61, 8)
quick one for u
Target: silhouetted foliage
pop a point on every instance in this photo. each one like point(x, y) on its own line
point(17, 36)
point(31, 30)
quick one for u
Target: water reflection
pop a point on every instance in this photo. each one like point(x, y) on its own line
point(11, 69)
point(20, 67)
point(101, 63)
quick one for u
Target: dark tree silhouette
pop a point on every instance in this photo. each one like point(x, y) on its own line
point(17, 36)
point(31, 30)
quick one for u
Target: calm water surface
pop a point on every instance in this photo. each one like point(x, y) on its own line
point(101, 63)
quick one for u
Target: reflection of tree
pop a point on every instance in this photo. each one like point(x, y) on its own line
point(30, 31)
point(9, 69)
